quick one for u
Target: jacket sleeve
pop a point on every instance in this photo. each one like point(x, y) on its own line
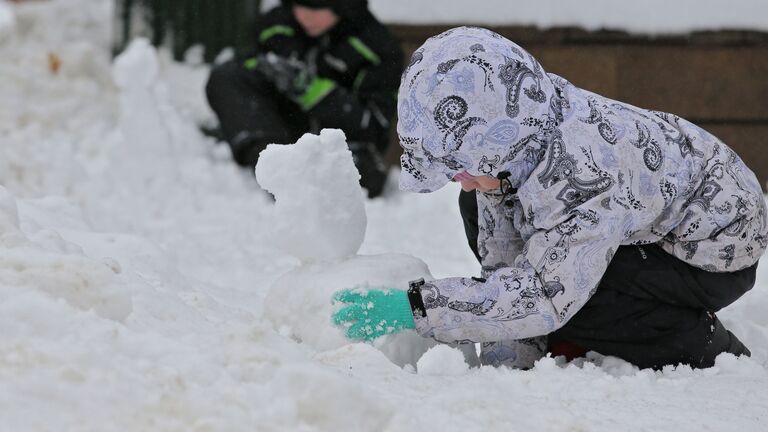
point(557, 273)
point(499, 242)
point(365, 109)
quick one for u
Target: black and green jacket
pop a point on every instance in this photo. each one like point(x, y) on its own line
point(358, 64)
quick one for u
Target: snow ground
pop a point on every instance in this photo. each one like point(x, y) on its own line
point(137, 266)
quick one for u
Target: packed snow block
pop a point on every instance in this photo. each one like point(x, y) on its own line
point(299, 303)
point(319, 211)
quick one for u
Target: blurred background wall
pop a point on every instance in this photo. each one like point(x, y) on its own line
point(715, 78)
point(182, 24)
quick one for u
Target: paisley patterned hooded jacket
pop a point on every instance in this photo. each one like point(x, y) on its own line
point(589, 174)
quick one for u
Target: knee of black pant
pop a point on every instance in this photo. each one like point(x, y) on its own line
point(246, 157)
point(246, 148)
point(230, 78)
point(221, 75)
point(734, 285)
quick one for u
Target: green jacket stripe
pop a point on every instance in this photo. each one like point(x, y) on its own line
point(364, 50)
point(270, 32)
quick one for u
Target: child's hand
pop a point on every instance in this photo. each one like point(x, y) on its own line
point(373, 313)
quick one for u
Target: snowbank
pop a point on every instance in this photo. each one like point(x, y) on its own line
point(43, 264)
point(152, 298)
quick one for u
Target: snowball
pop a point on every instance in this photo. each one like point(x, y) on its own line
point(617, 367)
point(137, 66)
point(442, 360)
point(319, 212)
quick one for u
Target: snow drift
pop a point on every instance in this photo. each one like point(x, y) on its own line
point(155, 299)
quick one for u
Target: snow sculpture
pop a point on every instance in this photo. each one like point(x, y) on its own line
point(319, 217)
point(145, 139)
point(319, 212)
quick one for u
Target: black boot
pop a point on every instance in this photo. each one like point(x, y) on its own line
point(370, 165)
point(246, 147)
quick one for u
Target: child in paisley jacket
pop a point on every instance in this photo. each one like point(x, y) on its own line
point(599, 225)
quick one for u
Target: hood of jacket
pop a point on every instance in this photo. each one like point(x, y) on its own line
point(471, 100)
point(346, 9)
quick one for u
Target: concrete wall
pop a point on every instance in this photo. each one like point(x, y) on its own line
point(717, 80)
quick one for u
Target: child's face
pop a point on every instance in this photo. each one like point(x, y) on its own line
point(315, 22)
point(482, 183)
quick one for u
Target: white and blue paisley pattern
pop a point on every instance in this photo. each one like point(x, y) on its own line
point(590, 174)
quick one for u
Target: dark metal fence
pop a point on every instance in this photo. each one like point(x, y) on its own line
point(181, 24)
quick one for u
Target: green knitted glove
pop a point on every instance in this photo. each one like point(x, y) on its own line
point(373, 313)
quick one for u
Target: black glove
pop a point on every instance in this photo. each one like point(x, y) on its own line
point(292, 77)
point(289, 75)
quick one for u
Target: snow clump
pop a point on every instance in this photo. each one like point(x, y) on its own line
point(442, 360)
point(319, 213)
point(45, 264)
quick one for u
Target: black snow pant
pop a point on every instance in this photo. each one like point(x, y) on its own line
point(252, 114)
point(649, 308)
